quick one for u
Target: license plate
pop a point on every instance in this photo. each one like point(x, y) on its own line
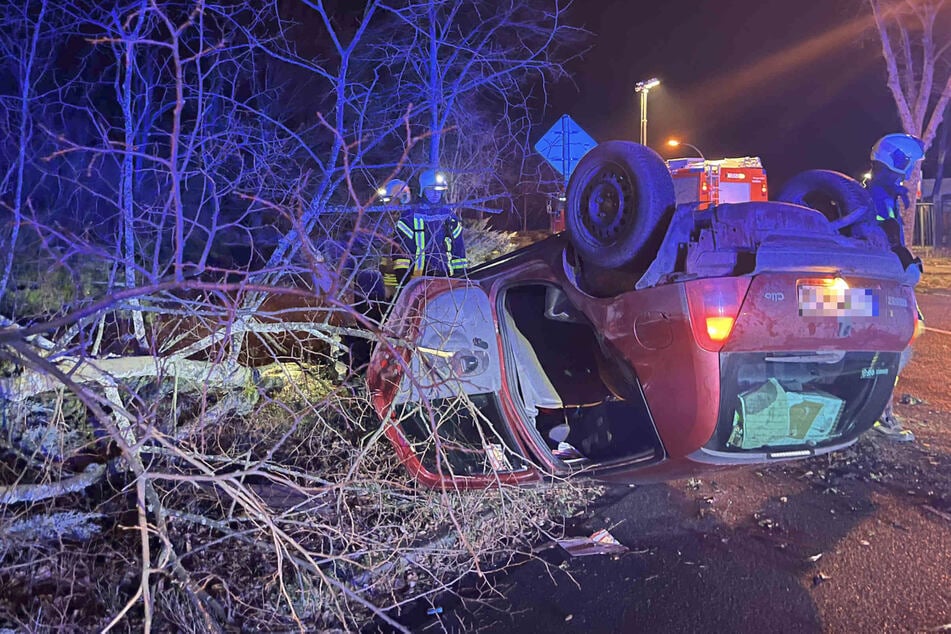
point(825, 301)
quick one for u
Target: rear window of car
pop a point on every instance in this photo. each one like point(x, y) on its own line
point(791, 401)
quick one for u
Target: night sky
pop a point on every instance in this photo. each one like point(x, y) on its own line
point(800, 86)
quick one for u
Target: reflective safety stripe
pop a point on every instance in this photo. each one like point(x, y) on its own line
point(404, 229)
point(456, 229)
point(419, 226)
point(402, 263)
point(892, 213)
point(389, 280)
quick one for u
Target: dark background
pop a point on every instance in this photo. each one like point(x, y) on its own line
point(802, 85)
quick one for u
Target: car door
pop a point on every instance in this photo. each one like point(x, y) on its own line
point(436, 379)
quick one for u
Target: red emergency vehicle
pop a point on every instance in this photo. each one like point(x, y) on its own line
point(710, 182)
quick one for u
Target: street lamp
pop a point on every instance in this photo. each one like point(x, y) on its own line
point(677, 142)
point(642, 88)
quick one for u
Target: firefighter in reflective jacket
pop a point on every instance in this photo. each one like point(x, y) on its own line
point(429, 235)
point(396, 192)
point(894, 158)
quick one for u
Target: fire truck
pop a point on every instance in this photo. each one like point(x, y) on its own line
point(697, 180)
point(710, 182)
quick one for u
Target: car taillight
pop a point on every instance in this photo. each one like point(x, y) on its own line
point(714, 305)
point(835, 283)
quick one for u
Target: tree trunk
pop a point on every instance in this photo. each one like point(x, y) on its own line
point(936, 189)
point(908, 215)
point(126, 176)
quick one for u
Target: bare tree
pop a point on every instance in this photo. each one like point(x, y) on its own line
point(916, 44)
point(475, 71)
point(23, 38)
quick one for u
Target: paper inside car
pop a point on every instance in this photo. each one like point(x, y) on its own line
point(769, 416)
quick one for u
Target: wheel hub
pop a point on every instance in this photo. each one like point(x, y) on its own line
point(607, 205)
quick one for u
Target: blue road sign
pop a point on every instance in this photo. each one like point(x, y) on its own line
point(564, 145)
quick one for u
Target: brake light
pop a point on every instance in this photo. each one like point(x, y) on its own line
point(714, 304)
point(719, 327)
point(835, 283)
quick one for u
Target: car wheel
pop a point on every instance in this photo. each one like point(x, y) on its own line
point(620, 201)
point(838, 197)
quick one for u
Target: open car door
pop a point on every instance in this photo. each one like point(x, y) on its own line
point(435, 380)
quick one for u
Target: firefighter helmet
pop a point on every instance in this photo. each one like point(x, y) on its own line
point(898, 152)
point(395, 191)
point(432, 179)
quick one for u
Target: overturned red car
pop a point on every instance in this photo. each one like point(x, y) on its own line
point(650, 341)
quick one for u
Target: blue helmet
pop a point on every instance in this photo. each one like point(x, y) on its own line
point(432, 179)
point(396, 191)
point(899, 153)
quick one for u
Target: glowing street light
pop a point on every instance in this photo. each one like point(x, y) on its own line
point(642, 88)
point(678, 142)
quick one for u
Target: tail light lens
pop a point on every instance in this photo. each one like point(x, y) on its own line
point(714, 304)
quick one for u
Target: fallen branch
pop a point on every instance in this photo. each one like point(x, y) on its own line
point(53, 527)
point(109, 373)
point(16, 493)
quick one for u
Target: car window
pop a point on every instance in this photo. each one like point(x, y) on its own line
point(456, 351)
point(789, 400)
point(460, 436)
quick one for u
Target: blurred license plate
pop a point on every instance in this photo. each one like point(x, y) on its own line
point(825, 301)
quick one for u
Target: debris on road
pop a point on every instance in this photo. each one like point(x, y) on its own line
point(598, 543)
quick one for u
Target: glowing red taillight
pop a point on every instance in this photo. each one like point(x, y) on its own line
point(714, 305)
point(719, 327)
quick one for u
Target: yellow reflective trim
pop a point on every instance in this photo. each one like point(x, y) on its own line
point(404, 229)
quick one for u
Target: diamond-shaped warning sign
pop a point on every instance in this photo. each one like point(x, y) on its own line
point(564, 145)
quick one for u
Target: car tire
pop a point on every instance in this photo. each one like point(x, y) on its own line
point(834, 194)
point(620, 201)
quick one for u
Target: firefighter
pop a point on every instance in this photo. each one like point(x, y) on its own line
point(429, 235)
point(396, 192)
point(894, 158)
